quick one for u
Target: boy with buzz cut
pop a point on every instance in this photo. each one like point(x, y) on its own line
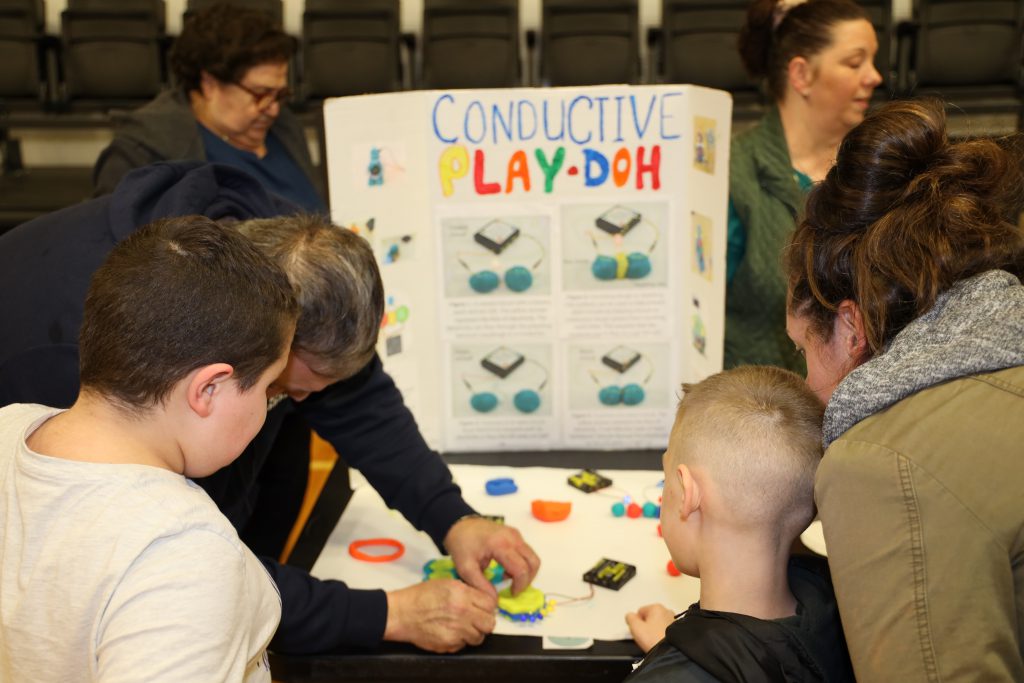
point(739, 489)
point(114, 566)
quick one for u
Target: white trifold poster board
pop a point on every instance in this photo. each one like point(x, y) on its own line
point(553, 259)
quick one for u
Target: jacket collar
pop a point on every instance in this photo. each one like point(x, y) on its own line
point(974, 327)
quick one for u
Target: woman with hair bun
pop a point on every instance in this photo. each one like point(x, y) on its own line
point(816, 59)
point(905, 296)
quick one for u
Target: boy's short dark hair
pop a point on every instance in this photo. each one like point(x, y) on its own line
point(178, 294)
point(337, 282)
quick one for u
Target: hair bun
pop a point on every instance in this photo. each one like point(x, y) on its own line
point(755, 39)
point(902, 216)
point(782, 8)
point(901, 140)
point(901, 156)
point(878, 160)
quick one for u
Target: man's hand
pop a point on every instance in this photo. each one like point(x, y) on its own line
point(473, 542)
point(441, 615)
point(648, 624)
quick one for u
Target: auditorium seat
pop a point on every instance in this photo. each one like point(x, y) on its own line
point(699, 46)
point(470, 44)
point(112, 53)
point(274, 8)
point(589, 42)
point(350, 47)
point(967, 52)
point(23, 83)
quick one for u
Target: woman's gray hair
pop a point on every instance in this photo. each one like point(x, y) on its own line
point(336, 282)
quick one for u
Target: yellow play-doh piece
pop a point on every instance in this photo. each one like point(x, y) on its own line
point(621, 265)
point(529, 601)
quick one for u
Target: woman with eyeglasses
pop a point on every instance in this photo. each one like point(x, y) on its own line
point(228, 105)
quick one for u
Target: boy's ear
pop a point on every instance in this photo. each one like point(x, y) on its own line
point(691, 491)
point(204, 385)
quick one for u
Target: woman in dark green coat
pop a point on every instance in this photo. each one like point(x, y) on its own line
point(817, 61)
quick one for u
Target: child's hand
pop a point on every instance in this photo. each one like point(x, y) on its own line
point(648, 624)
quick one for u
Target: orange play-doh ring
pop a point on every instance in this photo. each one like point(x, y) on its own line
point(355, 549)
point(550, 510)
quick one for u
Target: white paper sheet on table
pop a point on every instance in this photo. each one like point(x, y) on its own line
point(567, 549)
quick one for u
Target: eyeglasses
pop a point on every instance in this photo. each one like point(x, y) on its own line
point(262, 100)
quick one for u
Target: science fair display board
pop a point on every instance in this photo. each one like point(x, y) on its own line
point(553, 259)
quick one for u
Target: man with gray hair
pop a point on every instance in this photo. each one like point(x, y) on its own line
point(333, 381)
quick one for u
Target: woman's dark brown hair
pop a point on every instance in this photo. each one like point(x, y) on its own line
point(901, 217)
point(226, 41)
point(766, 48)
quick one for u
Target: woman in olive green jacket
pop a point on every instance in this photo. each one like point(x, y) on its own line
point(816, 58)
point(905, 296)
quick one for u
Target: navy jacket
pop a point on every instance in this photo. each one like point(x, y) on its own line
point(45, 267)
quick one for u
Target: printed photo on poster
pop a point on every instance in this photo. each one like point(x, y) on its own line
point(608, 246)
point(396, 249)
point(392, 325)
point(704, 144)
point(618, 377)
point(701, 247)
point(498, 255)
point(501, 380)
point(388, 248)
point(377, 165)
point(698, 332)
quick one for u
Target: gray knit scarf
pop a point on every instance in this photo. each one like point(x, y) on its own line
point(976, 326)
